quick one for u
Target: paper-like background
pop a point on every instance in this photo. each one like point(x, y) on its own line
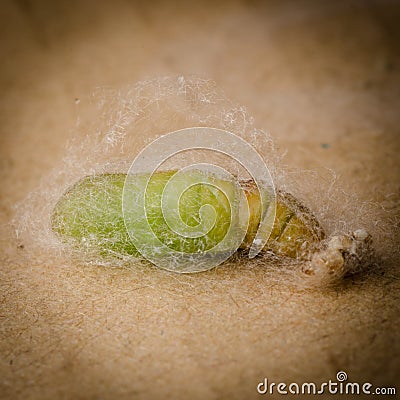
point(322, 77)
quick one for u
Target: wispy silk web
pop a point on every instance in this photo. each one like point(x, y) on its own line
point(122, 121)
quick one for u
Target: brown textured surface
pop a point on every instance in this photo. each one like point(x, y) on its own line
point(311, 73)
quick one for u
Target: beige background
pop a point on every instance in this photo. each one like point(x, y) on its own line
point(311, 73)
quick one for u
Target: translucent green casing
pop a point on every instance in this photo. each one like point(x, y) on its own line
point(90, 215)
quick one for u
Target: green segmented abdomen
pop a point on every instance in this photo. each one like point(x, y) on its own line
point(90, 215)
point(295, 228)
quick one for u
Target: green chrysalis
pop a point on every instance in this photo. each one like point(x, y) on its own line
point(90, 215)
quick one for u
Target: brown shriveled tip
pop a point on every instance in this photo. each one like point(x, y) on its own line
point(341, 255)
